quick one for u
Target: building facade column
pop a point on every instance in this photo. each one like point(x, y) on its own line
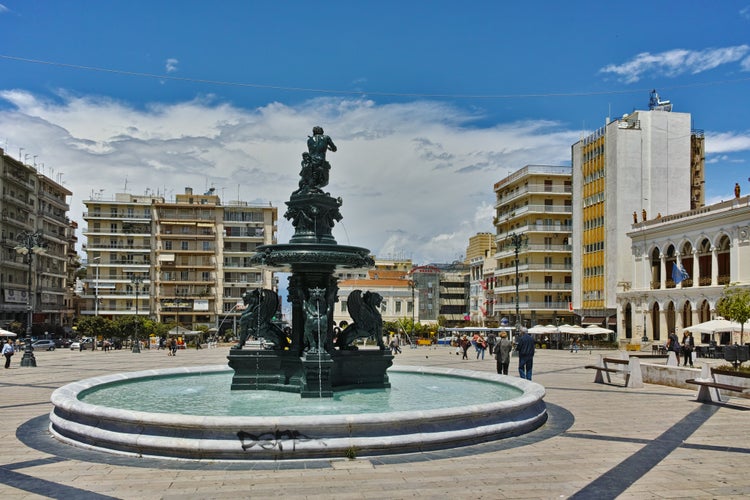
point(662, 271)
point(714, 267)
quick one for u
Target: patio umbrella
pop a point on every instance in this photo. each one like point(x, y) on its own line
point(715, 326)
point(542, 329)
point(6, 333)
point(597, 330)
point(574, 329)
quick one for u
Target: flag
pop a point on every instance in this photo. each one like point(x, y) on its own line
point(678, 274)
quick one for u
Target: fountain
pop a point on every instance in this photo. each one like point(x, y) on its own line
point(306, 360)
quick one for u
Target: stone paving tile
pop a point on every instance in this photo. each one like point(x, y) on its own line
point(612, 431)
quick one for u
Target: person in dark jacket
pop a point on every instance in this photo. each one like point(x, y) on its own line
point(502, 354)
point(525, 355)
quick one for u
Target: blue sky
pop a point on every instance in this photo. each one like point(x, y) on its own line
point(430, 103)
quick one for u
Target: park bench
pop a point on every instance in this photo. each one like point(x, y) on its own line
point(706, 383)
point(705, 394)
point(629, 368)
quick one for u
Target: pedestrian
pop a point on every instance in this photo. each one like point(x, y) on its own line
point(8, 352)
point(673, 344)
point(574, 345)
point(502, 353)
point(481, 346)
point(173, 347)
point(688, 344)
point(465, 344)
point(525, 355)
point(491, 342)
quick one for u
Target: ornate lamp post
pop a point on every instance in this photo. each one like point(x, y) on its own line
point(96, 287)
point(136, 280)
point(30, 243)
point(517, 241)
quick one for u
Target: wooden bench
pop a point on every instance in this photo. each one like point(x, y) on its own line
point(706, 395)
point(630, 369)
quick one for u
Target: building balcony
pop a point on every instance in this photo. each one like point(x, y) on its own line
point(58, 201)
point(131, 217)
point(534, 188)
point(110, 247)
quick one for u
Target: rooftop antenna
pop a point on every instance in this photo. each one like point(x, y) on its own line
point(126, 184)
point(656, 104)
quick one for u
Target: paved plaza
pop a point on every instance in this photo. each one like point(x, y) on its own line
point(600, 441)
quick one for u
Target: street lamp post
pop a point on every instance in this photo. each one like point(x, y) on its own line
point(30, 243)
point(518, 241)
point(96, 287)
point(136, 280)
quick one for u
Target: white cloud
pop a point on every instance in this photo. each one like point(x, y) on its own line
point(3, 9)
point(171, 65)
point(745, 12)
point(416, 178)
point(727, 142)
point(676, 62)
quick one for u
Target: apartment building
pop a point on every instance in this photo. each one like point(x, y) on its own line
point(391, 280)
point(532, 275)
point(642, 166)
point(480, 257)
point(184, 261)
point(36, 242)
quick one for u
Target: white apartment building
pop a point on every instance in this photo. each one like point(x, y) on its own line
point(532, 275)
point(643, 165)
point(184, 261)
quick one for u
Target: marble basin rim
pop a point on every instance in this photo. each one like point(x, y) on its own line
point(210, 437)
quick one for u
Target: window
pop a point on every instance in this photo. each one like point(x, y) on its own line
point(343, 306)
point(184, 245)
point(398, 306)
point(167, 245)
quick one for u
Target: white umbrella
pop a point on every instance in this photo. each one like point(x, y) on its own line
point(574, 329)
point(597, 330)
point(716, 326)
point(6, 333)
point(542, 329)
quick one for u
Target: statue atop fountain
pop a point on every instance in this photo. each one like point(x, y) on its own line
point(309, 362)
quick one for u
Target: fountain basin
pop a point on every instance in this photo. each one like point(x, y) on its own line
point(206, 437)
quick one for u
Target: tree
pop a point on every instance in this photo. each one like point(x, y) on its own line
point(734, 305)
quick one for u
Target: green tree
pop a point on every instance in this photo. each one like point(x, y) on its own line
point(734, 305)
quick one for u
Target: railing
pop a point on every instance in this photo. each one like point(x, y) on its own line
point(118, 215)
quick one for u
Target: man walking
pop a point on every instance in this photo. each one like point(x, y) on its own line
point(8, 352)
point(502, 354)
point(525, 355)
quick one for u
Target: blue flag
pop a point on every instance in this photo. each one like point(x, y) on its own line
point(678, 274)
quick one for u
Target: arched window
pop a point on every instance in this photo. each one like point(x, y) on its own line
point(704, 262)
point(723, 261)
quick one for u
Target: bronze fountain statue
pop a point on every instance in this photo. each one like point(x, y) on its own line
point(307, 360)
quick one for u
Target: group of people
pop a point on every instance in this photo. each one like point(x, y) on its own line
point(170, 346)
point(501, 350)
point(684, 348)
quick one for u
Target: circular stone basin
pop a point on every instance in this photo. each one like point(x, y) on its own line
point(358, 422)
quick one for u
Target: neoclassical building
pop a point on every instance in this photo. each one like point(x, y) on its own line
point(711, 244)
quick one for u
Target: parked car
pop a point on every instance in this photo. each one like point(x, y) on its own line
point(87, 342)
point(43, 345)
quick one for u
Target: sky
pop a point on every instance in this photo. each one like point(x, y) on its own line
point(429, 103)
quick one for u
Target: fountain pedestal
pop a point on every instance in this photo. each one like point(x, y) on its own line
point(316, 382)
